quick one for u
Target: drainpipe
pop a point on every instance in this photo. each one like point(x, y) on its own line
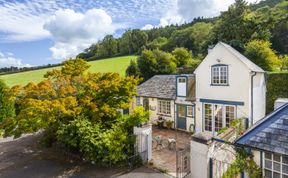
point(253, 74)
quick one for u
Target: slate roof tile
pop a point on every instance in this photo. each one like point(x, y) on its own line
point(159, 86)
point(269, 134)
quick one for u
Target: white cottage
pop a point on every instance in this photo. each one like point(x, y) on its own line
point(228, 86)
point(225, 86)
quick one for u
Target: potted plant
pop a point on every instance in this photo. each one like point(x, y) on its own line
point(169, 124)
point(160, 122)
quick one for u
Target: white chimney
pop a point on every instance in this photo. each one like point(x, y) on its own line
point(280, 102)
point(210, 48)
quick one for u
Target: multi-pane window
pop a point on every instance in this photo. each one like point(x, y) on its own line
point(182, 80)
point(218, 116)
point(138, 101)
point(229, 114)
point(275, 166)
point(164, 107)
point(181, 111)
point(218, 112)
point(219, 75)
point(190, 111)
point(208, 117)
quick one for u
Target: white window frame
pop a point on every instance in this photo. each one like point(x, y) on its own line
point(213, 114)
point(192, 114)
point(273, 162)
point(164, 107)
point(219, 75)
point(181, 80)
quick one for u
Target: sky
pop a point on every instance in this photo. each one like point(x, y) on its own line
point(40, 32)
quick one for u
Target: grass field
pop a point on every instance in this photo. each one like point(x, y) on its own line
point(117, 64)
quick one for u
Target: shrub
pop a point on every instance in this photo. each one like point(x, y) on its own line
point(6, 103)
point(276, 88)
point(105, 146)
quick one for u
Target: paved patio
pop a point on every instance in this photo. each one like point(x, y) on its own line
point(165, 159)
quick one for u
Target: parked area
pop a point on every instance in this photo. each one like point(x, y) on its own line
point(24, 158)
point(163, 151)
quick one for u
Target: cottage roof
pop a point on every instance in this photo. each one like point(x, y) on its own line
point(242, 58)
point(269, 134)
point(159, 86)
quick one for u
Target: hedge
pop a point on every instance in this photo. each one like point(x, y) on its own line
point(277, 87)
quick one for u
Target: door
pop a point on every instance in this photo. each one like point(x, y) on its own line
point(181, 117)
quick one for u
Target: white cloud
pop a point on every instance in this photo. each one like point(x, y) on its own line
point(72, 32)
point(9, 60)
point(20, 22)
point(187, 10)
point(147, 27)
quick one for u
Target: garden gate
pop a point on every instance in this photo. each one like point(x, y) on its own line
point(183, 161)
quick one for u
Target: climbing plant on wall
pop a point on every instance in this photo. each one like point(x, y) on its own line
point(243, 163)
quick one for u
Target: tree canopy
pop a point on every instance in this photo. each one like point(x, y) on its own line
point(260, 52)
point(78, 109)
point(239, 25)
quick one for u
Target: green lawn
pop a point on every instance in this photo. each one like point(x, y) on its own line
point(117, 64)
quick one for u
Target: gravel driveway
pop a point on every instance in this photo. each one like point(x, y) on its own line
point(24, 158)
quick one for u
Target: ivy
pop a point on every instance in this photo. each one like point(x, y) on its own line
point(243, 163)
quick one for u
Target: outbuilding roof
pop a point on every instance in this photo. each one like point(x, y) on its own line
point(269, 134)
point(253, 67)
point(159, 86)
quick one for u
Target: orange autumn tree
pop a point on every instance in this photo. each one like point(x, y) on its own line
point(73, 96)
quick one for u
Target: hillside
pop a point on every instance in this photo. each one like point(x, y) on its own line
point(241, 23)
point(116, 64)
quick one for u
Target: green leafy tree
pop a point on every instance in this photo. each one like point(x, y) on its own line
point(261, 53)
point(78, 109)
point(232, 26)
point(180, 38)
point(155, 62)
point(158, 43)
point(183, 56)
point(284, 62)
point(201, 35)
point(6, 103)
point(132, 41)
point(280, 37)
point(132, 69)
point(109, 47)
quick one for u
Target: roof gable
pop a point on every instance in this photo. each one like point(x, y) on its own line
point(270, 133)
point(232, 52)
point(253, 67)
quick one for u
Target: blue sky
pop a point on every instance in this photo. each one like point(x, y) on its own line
point(38, 32)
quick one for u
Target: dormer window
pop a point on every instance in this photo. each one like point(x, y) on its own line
point(181, 86)
point(219, 75)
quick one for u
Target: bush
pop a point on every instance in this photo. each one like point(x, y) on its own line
point(105, 146)
point(102, 145)
point(276, 88)
point(6, 103)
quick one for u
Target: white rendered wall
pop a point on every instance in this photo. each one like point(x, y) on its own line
point(259, 97)
point(239, 90)
point(199, 160)
point(146, 131)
